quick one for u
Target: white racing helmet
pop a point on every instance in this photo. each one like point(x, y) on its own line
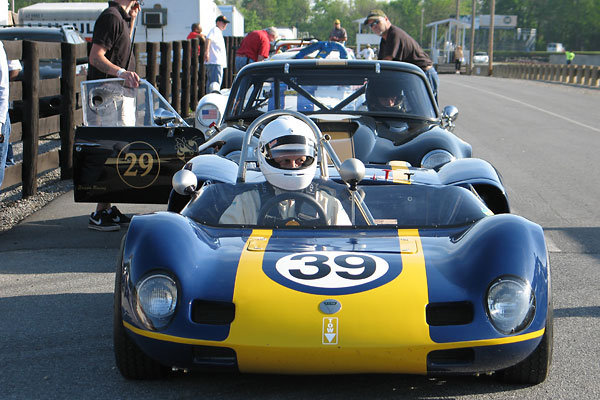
point(287, 136)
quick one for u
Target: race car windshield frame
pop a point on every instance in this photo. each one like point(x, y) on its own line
point(341, 91)
point(103, 100)
point(414, 205)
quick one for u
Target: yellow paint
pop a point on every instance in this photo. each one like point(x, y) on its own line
point(399, 170)
point(280, 330)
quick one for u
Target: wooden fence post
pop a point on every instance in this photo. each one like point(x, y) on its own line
point(176, 77)
point(138, 49)
point(201, 71)
point(31, 115)
point(164, 82)
point(185, 79)
point(194, 73)
point(67, 109)
point(151, 62)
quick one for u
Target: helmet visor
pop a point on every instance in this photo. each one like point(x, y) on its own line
point(290, 152)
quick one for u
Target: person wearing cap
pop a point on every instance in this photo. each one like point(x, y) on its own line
point(215, 58)
point(338, 34)
point(398, 45)
point(367, 53)
point(255, 47)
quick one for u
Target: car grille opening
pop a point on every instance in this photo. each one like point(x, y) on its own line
point(438, 359)
point(213, 312)
point(451, 313)
point(215, 356)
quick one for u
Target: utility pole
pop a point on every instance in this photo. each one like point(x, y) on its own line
point(491, 46)
point(472, 48)
point(422, 18)
point(458, 19)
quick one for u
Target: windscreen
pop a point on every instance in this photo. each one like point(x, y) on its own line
point(333, 90)
point(406, 206)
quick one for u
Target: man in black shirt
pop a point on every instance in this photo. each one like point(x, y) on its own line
point(398, 45)
point(110, 57)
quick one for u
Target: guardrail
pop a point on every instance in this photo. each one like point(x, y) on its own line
point(173, 67)
point(584, 75)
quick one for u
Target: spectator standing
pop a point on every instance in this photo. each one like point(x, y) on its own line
point(110, 56)
point(255, 47)
point(338, 34)
point(14, 68)
point(215, 58)
point(197, 33)
point(569, 55)
point(398, 45)
point(4, 119)
point(458, 58)
point(367, 53)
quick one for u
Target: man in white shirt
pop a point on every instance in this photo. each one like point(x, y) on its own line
point(215, 58)
point(367, 53)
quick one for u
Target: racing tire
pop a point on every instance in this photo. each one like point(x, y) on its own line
point(131, 361)
point(534, 369)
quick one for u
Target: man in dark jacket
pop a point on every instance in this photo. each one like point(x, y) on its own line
point(398, 45)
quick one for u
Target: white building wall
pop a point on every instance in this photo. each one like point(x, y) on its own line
point(4, 12)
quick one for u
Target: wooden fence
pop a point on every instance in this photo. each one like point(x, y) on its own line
point(173, 67)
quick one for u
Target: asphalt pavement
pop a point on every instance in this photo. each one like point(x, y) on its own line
point(62, 224)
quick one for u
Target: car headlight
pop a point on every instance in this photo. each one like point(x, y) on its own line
point(156, 300)
point(436, 158)
point(511, 304)
point(207, 114)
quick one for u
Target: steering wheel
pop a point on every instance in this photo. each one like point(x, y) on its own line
point(300, 219)
point(324, 49)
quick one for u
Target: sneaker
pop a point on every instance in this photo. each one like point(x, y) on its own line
point(117, 216)
point(101, 221)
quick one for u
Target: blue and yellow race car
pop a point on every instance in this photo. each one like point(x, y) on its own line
point(427, 273)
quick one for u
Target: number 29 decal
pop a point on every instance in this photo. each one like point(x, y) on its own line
point(138, 165)
point(331, 272)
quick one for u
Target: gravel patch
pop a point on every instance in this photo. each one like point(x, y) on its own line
point(13, 208)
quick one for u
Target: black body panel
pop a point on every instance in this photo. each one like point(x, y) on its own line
point(130, 164)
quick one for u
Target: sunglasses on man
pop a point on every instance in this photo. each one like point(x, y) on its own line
point(376, 22)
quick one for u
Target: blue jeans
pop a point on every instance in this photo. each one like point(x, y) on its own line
point(214, 73)
point(241, 61)
point(4, 147)
point(434, 81)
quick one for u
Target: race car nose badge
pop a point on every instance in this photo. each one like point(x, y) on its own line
point(330, 306)
point(330, 324)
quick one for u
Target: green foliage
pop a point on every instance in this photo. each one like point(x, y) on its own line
point(574, 23)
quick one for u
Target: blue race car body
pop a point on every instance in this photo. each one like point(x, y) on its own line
point(425, 280)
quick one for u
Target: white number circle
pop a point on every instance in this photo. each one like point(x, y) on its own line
point(332, 269)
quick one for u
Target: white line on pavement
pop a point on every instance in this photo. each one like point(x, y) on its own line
point(554, 114)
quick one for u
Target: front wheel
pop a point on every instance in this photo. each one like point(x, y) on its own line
point(131, 361)
point(534, 369)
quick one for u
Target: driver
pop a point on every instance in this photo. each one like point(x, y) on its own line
point(383, 96)
point(287, 157)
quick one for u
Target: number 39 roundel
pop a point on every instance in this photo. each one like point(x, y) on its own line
point(331, 272)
